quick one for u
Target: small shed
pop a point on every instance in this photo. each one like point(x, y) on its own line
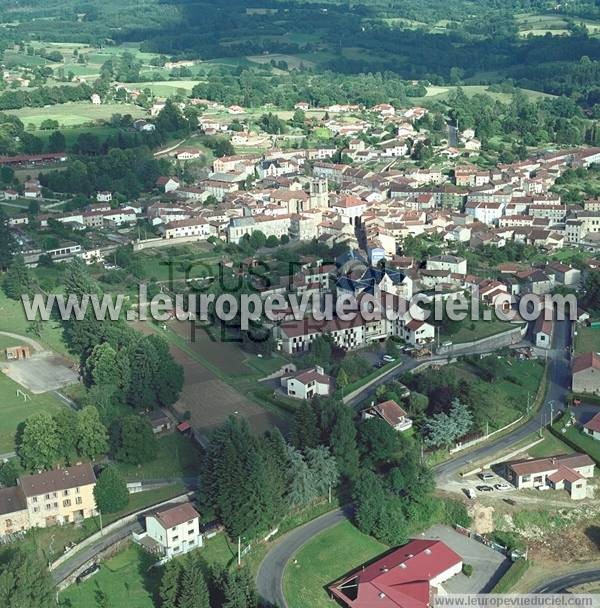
point(16, 353)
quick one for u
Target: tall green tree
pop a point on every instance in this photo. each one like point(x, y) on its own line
point(110, 491)
point(239, 590)
point(343, 442)
point(25, 581)
point(302, 484)
point(92, 436)
point(323, 467)
point(194, 591)
point(305, 431)
point(66, 421)
point(8, 244)
point(170, 585)
point(39, 447)
point(136, 443)
point(17, 281)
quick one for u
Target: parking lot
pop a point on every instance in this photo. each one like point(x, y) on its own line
point(41, 373)
point(488, 565)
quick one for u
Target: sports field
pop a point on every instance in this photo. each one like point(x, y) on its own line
point(74, 114)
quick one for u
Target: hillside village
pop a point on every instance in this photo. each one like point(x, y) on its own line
point(298, 460)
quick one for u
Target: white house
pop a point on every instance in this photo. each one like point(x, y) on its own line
point(452, 263)
point(104, 197)
point(174, 530)
point(191, 227)
point(307, 383)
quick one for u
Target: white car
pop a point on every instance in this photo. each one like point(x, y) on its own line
point(503, 487)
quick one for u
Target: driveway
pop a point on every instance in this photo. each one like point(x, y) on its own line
point(488, 565)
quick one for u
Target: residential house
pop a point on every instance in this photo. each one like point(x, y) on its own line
point(452, 263)
point(568, 472)
point(173, 530)
point(586, 373)
point(391, 412)
point(59, 496)
point(307, 383)
point(592, 427)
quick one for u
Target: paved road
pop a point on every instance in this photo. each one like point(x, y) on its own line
point(560, 585)
point(559, 385)
point(85, 555)
point(269, 579)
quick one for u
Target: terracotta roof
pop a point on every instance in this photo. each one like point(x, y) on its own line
point(564, 474)
point(308, 375)
point(390, 411)
point(593, 424)
point(586, 361)
point(539, 465)
point(57, 480)
point(175, 515)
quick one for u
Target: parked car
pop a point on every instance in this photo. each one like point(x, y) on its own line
point(486, 476)
point(388, 358)
point(543, 488)
point(485, 489)
point(503, 487)
point(470, 492)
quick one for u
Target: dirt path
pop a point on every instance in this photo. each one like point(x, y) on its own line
point(33, 343)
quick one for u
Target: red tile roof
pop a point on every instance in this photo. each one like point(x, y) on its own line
point(586, 361)
point(593, 424)
point(400, 579)
point(175, 515)
point(390, 411)
point(541, 465)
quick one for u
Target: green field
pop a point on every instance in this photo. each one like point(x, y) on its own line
point(165, 88)
point(587, 339)
point(13, 410)
point(12, 319)
point(323, 560)
point(177, 456)
point(76, 113)
point(476, 330)
point(584, 443)
point(551, 446)
point(125, 579)
point(441, 93)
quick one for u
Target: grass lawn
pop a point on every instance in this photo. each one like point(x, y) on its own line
point(587, 339)
point(76, 113)
point(323, 560)
point(12, 319)
point(13, 410)
point(125, 579)
point(475, 330)
point(551, 446)
point(583, 442)
point(165, 88)
point(177, 456)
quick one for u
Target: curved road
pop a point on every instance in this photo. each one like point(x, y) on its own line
point(269, 579)
point(560, 585)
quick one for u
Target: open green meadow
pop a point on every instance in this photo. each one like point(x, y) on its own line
point(165, 88)
point(587, 339)
point(324, 559)
point(77, 113)
point(14, 410)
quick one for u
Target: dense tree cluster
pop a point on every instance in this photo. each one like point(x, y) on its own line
point(250, 482)
point(66, 437)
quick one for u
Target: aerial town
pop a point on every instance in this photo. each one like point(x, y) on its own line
point(290, 322)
